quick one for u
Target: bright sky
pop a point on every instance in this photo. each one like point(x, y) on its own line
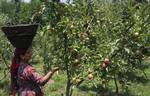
point(60, 0)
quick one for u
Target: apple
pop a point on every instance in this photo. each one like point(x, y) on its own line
point(48, 27)
point(106, 60)
point(103, 65)
point(138, 52)
point(76, 62)
point(73, 80)
point(40, 13)
point(136, 34)
point(72, 26)
point(84, 35)
point(87, 38)
point(78, 81)
point(90, 76)
point(89, 71)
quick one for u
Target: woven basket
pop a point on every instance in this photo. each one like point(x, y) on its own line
point(20, 36)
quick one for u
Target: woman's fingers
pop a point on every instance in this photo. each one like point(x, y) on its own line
point(56, 68)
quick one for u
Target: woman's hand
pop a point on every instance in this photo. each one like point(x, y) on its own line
point(55, 69)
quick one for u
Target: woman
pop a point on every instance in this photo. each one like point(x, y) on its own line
point(24, 77)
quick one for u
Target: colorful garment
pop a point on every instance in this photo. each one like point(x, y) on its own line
point(14, 69)
point(29, 81)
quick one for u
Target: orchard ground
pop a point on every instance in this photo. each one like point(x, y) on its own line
point(57, 85)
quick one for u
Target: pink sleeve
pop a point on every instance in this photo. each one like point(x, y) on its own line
point(33, 75)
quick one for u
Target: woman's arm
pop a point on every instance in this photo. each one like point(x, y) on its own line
point(41, 80)
point(46, 78)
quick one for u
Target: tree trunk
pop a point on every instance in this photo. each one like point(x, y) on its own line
point(68, 87)
point(115, 81)
point(18, 8)
point(68, 92)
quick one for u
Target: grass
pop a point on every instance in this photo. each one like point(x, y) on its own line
point(139, 88)
point(4, 86)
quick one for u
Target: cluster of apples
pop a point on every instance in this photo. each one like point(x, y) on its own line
point(105, 63)
point(90, 75)
point(76, 81)
point(84, 36)
point(77, 62)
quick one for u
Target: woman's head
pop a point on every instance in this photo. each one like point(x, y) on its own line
point(26, 56)
point(22, 54)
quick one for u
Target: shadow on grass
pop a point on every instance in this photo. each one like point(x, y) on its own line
point(137, 79)
point(100, 91)
point(86, 88)
point(113, 94)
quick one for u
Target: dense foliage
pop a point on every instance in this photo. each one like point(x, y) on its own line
point(96, 40)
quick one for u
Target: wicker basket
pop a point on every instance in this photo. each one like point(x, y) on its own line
point(20, 36)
